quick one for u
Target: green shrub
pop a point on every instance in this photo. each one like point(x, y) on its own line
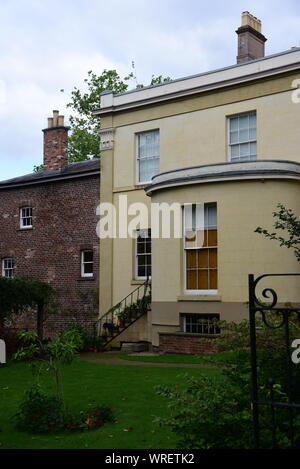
point(40, 413)
point(211, 413)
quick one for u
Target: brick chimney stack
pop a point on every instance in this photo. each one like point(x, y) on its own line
point(55, 143)
point(251, 42)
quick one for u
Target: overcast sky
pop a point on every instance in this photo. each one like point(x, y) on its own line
point(47, 46)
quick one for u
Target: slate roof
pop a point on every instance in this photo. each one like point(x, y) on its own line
point(72, 170)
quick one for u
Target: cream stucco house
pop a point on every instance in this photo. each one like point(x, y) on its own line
point(227, 139)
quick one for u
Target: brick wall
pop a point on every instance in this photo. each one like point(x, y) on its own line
point(181, 343)
point(64, 223)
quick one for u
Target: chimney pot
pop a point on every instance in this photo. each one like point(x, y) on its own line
point(251, 42)
point(55, 118)
point(55, 143)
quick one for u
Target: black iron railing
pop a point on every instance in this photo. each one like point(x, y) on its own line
point(124, 314)
point(284, 317)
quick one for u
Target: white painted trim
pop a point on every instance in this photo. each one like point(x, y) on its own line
point(272, 65)
point(220, 172)
point(27, 227)
point(83, 274)
point(137, 159)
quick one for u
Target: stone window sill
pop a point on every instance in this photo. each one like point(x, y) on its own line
point(199, 298)
point(189, 334)
point(86, 279)
point(137, 282)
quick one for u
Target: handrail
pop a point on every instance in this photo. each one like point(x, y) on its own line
point(124, 313)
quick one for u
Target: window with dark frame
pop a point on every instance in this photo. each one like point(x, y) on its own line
point(200, 323)
point(8, 267)
point(143, 254)
point(26, 217)
point(87, 263)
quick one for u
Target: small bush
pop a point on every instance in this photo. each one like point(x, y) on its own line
point(40, 413)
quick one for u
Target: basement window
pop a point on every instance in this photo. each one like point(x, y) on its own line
point(26, 217)
point(87, 263)
point(8, 267)
point(200, 323)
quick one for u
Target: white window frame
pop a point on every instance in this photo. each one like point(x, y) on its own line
point(23, 217)
point(83, 263)
point(137, 158)
point(136, 255)
point(205, 323)
point(230, 145)
point(8, 269)
point(186, 290)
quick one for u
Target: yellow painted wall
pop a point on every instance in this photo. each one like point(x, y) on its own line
point(194, 132)
point(242, 207)
point(200, 137)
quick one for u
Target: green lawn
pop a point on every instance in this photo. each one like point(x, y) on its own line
point(214, 359)
point(129, 390)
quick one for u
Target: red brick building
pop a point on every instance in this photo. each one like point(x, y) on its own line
point(48, 230)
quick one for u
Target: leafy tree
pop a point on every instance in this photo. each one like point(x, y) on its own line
point(84, 141)
point(19, 294)
point(288, 223)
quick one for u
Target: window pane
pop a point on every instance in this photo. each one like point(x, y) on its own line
point(191, 260)
point(88, 256)
point(148, 168)
point(192, 280)
point(141, 247)
point(148, 144)
point(235, 151)
point(234, 123)
point(213, 279)
point(234, 137)
point(253, 148)
point(201, 238)
point(244, 135)
point(203, 280)
point(141, 271)
point(210, 216)
point(252, 120)
point(213, 260)
point(203, 258)
point(244, 122)
point(190, 239)
point(212, 237)
point(252, 134)
point(244, 149)
point(88, 268)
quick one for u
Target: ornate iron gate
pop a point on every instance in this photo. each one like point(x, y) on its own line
point(283, 314)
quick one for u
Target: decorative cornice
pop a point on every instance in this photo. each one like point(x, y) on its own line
point(222, 172)
point(236, 75)
point(106, 139)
